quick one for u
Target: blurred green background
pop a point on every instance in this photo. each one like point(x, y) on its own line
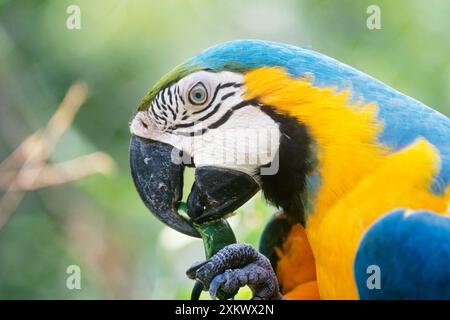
point(99, 222)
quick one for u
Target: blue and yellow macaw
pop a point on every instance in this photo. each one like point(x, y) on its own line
point(360, 172)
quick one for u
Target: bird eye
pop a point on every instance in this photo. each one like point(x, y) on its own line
point(198, 94)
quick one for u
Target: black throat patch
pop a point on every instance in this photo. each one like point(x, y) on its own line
point(287, 188)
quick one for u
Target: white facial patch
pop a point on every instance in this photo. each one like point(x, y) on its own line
point(206, 116)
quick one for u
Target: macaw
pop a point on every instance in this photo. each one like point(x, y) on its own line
point(359, 171)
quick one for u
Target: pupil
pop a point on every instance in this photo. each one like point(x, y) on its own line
point(198, 95)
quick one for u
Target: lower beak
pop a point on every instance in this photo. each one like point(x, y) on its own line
point(217, 192)
point(159, 181)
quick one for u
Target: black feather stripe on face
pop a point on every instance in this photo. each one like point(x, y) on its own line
point(287, 188)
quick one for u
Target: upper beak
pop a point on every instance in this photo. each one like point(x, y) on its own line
point(159, 181)
point(216, 192)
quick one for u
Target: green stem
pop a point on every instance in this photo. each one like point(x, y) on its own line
point(216, 235)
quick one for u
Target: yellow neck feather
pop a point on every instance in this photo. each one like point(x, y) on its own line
point(345, 134)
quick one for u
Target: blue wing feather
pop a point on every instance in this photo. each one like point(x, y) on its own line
point(413, 255)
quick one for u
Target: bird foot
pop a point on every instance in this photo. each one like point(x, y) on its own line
point(236, 266)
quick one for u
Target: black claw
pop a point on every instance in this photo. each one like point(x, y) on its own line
point(192, 271)
point(197, 290)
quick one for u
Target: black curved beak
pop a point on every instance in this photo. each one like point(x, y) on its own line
point(216, 192)
point(159, 181)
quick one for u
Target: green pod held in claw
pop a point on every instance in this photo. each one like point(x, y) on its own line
point(216, 235)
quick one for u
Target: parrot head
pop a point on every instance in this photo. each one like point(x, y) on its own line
point(203, 115)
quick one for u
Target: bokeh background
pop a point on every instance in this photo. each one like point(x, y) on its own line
point(86, 211)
